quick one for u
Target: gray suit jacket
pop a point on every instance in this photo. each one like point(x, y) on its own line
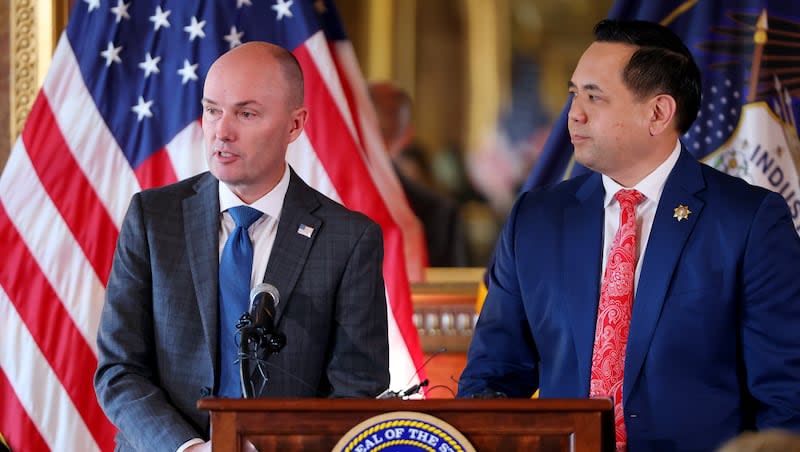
point(158, 334)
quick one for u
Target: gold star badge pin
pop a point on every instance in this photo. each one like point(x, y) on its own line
point(681, 212)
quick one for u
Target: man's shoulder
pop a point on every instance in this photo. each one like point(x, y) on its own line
point(733, 190)
point(301, 194)
point(180, 189)
point(566, 191)
point(715, 177)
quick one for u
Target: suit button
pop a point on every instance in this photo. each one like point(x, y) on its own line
point(205, 391)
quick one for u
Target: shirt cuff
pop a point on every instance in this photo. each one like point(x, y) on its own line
point(189, 443)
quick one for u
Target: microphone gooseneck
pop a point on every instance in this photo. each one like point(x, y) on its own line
point(258, 338)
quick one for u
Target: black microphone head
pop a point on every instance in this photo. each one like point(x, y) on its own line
point(263, 299)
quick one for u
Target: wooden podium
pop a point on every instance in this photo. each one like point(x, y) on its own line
point(580, 425)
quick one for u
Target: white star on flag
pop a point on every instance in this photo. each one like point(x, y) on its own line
point(195, 29)
point(121, 10)
point(240, 3)
point(93, 4)
point(282, 8)
point(159, 19)
point(188, 71)
point(111, 54)
point(234, 38)
point(150, 65)
point(142, 109)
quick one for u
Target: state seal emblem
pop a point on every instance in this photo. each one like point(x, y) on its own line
point(402, 431)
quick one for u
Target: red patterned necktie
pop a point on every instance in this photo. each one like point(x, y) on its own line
point(614, 312)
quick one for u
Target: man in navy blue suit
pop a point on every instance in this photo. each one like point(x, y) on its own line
point(712, 347)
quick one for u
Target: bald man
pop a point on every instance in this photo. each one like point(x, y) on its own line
point(164, 338)
point(440, 217)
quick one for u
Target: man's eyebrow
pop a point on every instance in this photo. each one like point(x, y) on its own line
point(586, 87)
point(243, 103)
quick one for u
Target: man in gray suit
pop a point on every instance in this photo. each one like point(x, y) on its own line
point(160, 333)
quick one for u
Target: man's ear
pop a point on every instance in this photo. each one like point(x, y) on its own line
point(663, 109)
point(297, 122)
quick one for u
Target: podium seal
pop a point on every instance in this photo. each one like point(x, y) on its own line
point(401, 431)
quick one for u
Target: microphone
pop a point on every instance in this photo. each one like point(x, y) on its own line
point(258, 338)
point(263, 300)
point(413, 389)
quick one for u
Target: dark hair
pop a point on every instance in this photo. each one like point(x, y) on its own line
point(661, 65)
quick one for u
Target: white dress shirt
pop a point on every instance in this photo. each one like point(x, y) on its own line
point(651, 187)
point(263, 231)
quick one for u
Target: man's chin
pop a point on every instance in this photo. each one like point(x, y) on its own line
point(580, 155)
point(586, 160)
point(223, 174)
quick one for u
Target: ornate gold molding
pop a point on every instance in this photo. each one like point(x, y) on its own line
point(36, 26)
point(23, 63)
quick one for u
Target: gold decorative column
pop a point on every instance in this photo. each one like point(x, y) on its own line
point(488, 65)
point(380, 20)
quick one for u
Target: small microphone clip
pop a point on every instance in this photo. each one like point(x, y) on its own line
point(244, 321)
point(414, 389)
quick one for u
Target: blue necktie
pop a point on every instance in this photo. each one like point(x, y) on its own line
point(235, 268)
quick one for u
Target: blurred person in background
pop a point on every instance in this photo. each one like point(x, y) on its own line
point(440, 216)
point(504, 158)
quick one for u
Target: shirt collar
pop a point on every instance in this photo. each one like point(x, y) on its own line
point(652, 185)
point(270, 204)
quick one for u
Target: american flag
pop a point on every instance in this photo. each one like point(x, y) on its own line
point(119, 112)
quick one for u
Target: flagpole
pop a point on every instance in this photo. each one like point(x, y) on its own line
point(759, 38)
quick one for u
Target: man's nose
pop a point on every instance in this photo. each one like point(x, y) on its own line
point(576, 113)
point(225, 130)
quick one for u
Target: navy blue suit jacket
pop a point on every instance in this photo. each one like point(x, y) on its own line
point(714, 344)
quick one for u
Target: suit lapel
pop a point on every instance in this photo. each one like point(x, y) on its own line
point(292, 242)
point(667, 239)
point(584, 225)
point(201, 225)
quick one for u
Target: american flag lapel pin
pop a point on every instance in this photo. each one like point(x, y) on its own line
point(305, 230)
